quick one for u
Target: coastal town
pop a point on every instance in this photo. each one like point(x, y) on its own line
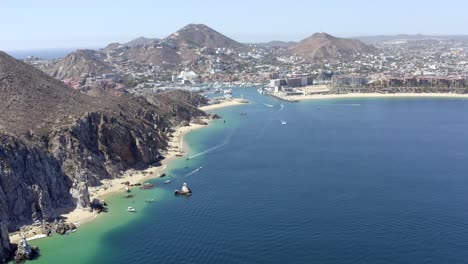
point(398, 65)
point(106, 123)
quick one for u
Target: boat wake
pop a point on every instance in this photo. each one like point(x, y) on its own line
point(208, 150)
point(192, 172)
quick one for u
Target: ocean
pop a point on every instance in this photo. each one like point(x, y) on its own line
point(41, 53)
point(344, 181)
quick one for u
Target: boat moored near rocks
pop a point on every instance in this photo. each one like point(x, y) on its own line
point(184, 191)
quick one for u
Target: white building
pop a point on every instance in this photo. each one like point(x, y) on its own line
point(187, 76)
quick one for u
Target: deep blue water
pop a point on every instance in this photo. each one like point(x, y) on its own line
point(345, 181)
point(41, 53)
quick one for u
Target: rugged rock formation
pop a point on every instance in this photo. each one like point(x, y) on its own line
point(6, 249)
point(141, 41)
point(25, 251)
point(80, 64)
point(55, 142)
point(325, 46)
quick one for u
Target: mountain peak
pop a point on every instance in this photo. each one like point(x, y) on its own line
point(196, 26)
point(201, 36)
point(322, 35)
point(325, 46)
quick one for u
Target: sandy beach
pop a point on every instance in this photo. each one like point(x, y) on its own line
point(176, 147)
point(227, 103)
point(375, 95)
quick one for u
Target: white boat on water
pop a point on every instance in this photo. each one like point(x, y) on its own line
point(167, 181)
point(283, 122)
point(131, 209)
point(184, 191)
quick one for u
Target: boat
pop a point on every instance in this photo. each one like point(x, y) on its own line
point(150, 200)
point(184, 191)
point(147, 186)
point(167, 181)
point(127, 189)
point(131, 209)
point(283, 122)
point(269, 105)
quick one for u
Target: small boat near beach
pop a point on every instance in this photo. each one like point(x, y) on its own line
point(147, 186)
point(167, 181)
point(131, 209)
point(184, 191)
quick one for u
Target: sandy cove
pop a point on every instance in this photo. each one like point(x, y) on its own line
point(376, 95)
point(176, 146)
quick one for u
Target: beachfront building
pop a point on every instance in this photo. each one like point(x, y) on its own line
point(187, 77)
point(291, 82)
point(351, 81)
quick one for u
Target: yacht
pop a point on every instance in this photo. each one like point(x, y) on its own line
point(283, 122)
point(131, 209)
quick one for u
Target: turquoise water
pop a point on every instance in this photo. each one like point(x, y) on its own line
point(345, 181)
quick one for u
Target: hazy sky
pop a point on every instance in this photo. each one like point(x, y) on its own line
point(34, 24)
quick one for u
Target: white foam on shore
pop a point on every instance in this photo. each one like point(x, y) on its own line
point(36, 237)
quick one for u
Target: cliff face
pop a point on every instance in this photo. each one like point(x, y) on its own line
point(5, 247)
point(51, 151)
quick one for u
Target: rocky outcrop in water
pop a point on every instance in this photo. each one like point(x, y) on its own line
point(25, 251)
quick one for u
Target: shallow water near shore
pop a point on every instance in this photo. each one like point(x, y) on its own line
point(345, 181)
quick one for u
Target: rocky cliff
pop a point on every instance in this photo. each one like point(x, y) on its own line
point(80, 64)
point(55, 142)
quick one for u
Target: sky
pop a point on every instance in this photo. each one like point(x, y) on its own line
point(50, 24)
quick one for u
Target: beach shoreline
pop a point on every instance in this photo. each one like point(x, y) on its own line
point(375, 95)
point(177, 148)
point(226, 103)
